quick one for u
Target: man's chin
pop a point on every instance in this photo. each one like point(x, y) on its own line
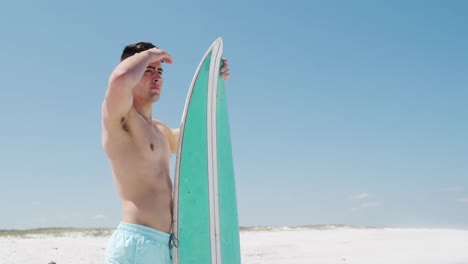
point(154, 99)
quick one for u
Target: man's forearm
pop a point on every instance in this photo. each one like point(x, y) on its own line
point(129, 72)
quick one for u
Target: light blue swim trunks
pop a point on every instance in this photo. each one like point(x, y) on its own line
point(137, 244)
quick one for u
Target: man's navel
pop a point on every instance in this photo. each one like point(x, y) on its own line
point(151, 146)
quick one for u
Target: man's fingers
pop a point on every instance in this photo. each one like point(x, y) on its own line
point(162, 55)
point(225, 69)
point(167, 58)
point(225, 75)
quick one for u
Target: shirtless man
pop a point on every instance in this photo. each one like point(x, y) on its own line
point(139, 149)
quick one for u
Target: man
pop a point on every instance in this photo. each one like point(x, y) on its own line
point(139, 149)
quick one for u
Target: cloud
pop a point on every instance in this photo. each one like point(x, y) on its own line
point(360, 196)
point(364, 206)
point(99, 216)
point(463, 200)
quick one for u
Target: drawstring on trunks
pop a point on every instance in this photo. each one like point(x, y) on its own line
point(173, 242)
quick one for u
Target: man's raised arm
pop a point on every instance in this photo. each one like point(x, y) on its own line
point(119, 96)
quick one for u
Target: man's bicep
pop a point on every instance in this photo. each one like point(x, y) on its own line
point(174, 140)
point(117, 103)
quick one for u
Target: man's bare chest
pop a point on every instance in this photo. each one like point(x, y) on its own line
point(151, 139)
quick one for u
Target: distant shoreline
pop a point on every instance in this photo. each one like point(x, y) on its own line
point(105, 231)
point(96, 232)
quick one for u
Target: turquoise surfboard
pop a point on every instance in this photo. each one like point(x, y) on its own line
point(205, 205)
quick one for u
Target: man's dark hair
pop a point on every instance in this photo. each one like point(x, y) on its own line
point(132, 49)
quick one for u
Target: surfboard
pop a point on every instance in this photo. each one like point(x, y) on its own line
point(205, 205)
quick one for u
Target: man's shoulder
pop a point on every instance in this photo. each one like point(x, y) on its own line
point(162, 127)
point(160, 124)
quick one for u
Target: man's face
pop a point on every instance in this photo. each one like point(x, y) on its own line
point(148, 90)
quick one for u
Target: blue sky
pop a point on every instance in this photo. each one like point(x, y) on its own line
point(342, 112)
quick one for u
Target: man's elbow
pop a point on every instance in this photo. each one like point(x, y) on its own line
point(118, 78)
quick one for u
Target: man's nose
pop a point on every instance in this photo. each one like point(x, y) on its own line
point(156, 78)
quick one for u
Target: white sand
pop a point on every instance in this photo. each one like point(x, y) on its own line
point(346, 245)
point(357, 246)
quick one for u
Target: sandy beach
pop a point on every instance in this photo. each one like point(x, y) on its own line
point(268, 246)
